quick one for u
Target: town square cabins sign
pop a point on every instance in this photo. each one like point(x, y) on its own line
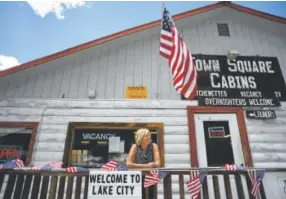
point(246, 81)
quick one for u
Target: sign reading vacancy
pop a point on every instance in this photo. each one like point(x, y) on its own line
point(246, 81)
point(114, 184)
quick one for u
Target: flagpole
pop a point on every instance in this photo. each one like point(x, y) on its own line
point(163, 6)
point(159, 65)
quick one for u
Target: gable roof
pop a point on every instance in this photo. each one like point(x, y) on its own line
point(137, 29)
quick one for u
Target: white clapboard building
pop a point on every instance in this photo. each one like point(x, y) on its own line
point(120, 80)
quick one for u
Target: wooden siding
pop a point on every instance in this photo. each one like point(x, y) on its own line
point(267, 138)
point(134, 59)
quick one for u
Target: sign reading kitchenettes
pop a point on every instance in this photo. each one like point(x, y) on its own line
point(247, 81)
point(136, 92)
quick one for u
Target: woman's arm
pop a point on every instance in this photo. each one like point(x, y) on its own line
point(131, 157)
point(156, 154)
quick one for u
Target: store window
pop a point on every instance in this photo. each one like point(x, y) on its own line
point(17, 141)
point(91, 145)
point(218, 143)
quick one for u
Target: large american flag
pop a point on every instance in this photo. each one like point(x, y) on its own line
point(153, 177)
point(256, 177)
point(174, 49)
point(195, 183)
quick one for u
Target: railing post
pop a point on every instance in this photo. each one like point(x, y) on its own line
point(181, 186)
point(239, 187)
point(19, 186)
point(86, 187)
point(69, 187)
point(227, 186)
point(78, 186)
point(168, 186)
point(36, 186)
point(61, 187)
point(205, 189)
point(27, 186)
point(45, 185)
point(216, 187)
point(53, 187)
point(10, 185)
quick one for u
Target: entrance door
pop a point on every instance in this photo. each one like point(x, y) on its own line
point(218, 140)
point(216, 137)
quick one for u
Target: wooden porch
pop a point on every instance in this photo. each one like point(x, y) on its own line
point(24, 184)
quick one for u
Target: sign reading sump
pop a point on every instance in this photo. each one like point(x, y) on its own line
point(114, 184)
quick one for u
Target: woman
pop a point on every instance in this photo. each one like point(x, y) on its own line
point(144, 154)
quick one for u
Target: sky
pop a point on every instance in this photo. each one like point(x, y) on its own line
point(33, 29)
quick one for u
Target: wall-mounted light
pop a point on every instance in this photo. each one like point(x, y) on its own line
point(232, 54)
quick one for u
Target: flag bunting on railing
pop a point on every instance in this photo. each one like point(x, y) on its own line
point(233, 167)
point(113, 166)
point(49, 166)
point(256, 176)
point(12, 164)
point(76, 169)
point(194, 185)
point(153, 177)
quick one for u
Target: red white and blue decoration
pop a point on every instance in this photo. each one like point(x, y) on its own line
point(153, 177)
point(12, 164)
point(49, 166)
point(194, 185)
point(76, 169)
point(256, 176)
point(197, 176)
point(233, 167)
point(113, 166)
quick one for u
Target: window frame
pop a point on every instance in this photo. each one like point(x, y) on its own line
point(31, 125)
point(108, 125)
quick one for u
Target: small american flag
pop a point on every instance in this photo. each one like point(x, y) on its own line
point(256, 177)
point(233, 167)
point(113, 166)
point(13, 164)
point(76, 169)
point(195, 183)
point(109, 166)
point(174, 49)
point(153, 177)
point(121, 167)
point(48, 167)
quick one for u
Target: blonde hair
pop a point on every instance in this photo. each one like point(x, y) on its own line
point(139, 134)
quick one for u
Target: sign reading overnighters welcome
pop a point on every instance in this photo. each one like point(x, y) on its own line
point(246, 81)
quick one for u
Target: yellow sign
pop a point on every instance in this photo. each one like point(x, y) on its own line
point(136, 92)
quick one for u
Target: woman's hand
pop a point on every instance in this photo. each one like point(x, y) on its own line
point(152, 165)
